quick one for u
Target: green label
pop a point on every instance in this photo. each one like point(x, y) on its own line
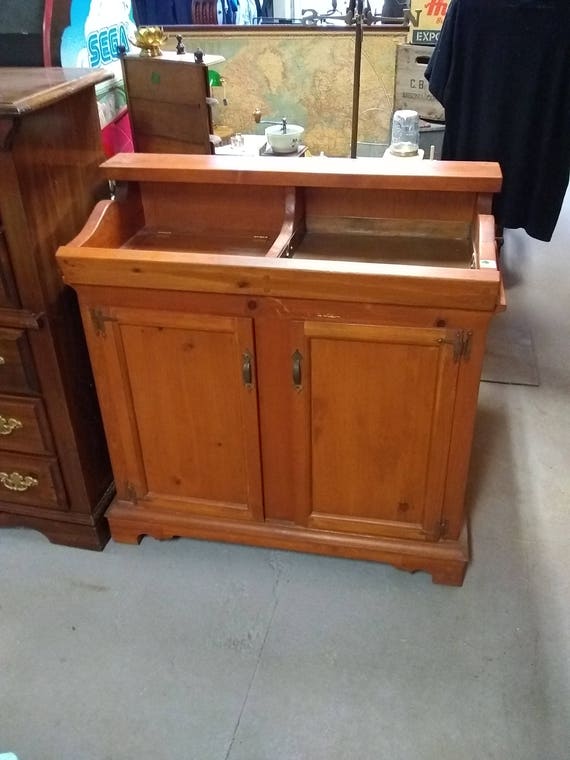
point(155, 77)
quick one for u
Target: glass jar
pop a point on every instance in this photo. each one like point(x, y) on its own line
point(405, 133)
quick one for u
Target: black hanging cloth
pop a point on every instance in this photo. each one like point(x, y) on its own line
point(501, 69)
point(162, 12)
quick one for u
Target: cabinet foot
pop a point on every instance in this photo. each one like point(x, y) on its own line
point(123, 535)
point(451, 575)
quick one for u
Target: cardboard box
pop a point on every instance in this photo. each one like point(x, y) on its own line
point(426, 19)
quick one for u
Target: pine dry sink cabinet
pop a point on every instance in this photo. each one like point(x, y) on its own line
point(287, 353)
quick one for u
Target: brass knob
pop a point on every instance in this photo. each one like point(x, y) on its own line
point(8, 425)
point(17, 482)
point(2, 360)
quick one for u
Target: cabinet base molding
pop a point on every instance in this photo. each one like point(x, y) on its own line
point(445, 560)
point(84, 532)
point(61, 532)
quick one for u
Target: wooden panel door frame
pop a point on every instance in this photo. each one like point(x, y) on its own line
point(103, 329)
point(302, 333)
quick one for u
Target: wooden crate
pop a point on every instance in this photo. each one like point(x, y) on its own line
point(168, 105)
point(411, 88)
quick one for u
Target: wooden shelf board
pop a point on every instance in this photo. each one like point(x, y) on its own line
point(199, 241)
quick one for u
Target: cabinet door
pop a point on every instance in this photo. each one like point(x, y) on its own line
point(185, 433)
point(373, 416)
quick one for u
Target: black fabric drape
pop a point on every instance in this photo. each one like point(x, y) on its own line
point(162, 12)
point(501, 69)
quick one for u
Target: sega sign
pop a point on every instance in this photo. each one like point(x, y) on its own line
point(103, 45)
point(97, 29)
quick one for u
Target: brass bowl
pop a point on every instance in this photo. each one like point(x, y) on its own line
point(149, 39)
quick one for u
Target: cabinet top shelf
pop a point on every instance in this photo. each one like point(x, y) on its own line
point(352, 230)
point(370, 174)
point(27, 89)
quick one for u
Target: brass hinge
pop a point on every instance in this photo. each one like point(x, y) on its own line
point(442, 529)
point(98, 318)
point(438, 531)
point(131, 492)
point(465, 349)
point(461, 343)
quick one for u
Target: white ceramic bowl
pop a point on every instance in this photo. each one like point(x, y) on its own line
point(287, 142)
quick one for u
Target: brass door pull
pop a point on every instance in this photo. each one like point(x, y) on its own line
point(16, 482)
point(297, 373)
point(246, 370)
point(9, 424)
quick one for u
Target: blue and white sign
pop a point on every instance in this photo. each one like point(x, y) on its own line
point(98, 28)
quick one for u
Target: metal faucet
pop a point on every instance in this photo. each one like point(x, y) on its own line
point(259, 120)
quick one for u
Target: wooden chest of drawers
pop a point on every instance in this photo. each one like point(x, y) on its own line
point(54, 468)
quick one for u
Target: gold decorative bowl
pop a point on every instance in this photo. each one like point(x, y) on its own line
point(149, 39)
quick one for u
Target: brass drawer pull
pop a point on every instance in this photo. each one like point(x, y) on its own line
point(8, 425)
point(16, 482)
point(2, 360)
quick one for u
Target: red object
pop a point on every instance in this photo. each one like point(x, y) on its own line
point(117, 136)
point(46, 32)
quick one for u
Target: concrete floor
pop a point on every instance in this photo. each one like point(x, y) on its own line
point(187, 650)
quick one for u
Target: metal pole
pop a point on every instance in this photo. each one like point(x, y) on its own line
point(356, 79)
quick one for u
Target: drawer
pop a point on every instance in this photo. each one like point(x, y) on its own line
point(8, 292)
point(33, 481)
point(24, 426)
point(17, 373)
